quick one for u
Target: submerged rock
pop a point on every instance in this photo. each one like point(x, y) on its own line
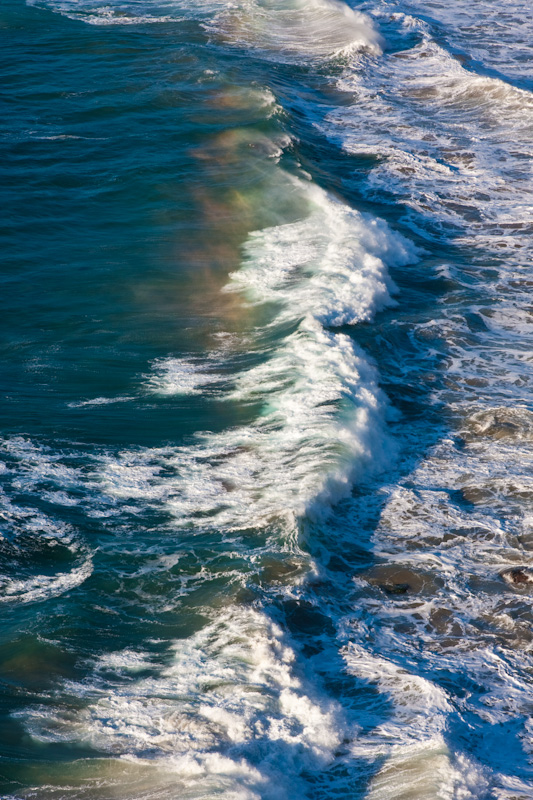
point(518, 576)
point(501, 423)
point(395, 588)
point(399, 579)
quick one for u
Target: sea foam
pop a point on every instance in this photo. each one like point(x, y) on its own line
point(322, 417)
point(232, 712)
point(299, 31)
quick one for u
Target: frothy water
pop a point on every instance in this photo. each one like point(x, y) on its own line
point(215, 691)
point(298, 31)
point(136, 12)
point(265, 459)
point(322, 413)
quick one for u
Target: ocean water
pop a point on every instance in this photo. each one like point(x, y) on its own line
point(266, 413)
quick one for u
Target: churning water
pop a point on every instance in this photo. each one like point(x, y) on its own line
point(267, 421)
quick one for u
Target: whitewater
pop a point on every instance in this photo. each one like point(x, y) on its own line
point(267, 427)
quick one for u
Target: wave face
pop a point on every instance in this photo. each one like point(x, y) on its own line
point(266, 433)
point(298, 31)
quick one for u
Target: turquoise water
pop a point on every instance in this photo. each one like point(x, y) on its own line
point(266, 414)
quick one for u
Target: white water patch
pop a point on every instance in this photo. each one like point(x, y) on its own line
point(322, 425)
point(36, 463)
point(131, 12)
point(43, 587)
point(322, 415)
point(112, 12)
point(427, 773)
point(451, 602)
point(231, 712)
point(297, 31)
point(410, 743)
point(496, 38)
point(41, 555)
point(420, 707)
point(99, 401)
point(30, 537)
point(442, 137)
point(331, 264)
point(40, 471)
point(173, 376)
point(36, 471)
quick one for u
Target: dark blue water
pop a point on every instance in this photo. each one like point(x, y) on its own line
point(265, 414)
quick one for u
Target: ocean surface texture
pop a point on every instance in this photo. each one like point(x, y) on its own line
point(266, 454)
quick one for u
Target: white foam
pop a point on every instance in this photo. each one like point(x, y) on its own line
point(231, 712)
point(463, 629)
point(298, 30)
point(323, 415)
point(43, 587)
point(26, 520)
point(29, 533)
point(322, 425)
point(477, 29)
point(440, 133)
point(420, 707)
point(38, 465)
point(427, 773)
point(512, 788)
point(99, 401)
point(131, 12)
point(180, 376)
point(331, 264)
point(112, 12)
